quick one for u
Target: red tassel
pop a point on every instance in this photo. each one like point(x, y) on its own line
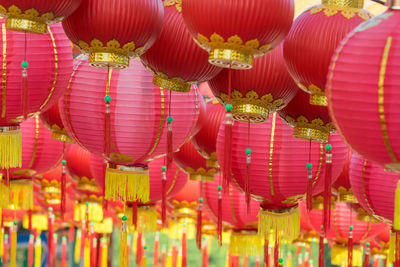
point(54, 251)
point(327, 191)
point(247, 182)
point(170, 153)
point(219, 219)
point(93, 252)
point(397, 248)
point(321, 250)
point(30, 220)
point(350, 247)
point(366, 255)
point(107, 120)
point(245, 261)
point(30, 250)
point(164, 197)
point(134, 214)
point(309, 186)
point(63, 187)
point(227, 150)
point(164, 257)
point(71, 233)
point(155, 250)
point(105, 204)
point(205, 255)
point(50, 235)
point(266, 253)
point(257, 264)
point(25, 94)
point(184, 248)
point(64, 252)
point(139, 249)
point(235, 261)
point(276, 254)
point(5, 247)
point(199, 224)
point(174, 255)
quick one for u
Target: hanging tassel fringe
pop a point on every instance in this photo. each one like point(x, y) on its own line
point(219, 217)
point(13, 248)
point(64, 252)
point(30, 250)
point(170, 151)
point(247, 182)
point(139, 249)
point(164, 197)
point(10, 147)
point(266, 253)
point(63, 187)
point(155, 250)
point(2, 244)
point(54, 252)
point(321, 250)
point(86, 253)
point(18, 194)
point(38, 252)
point(127, 184)
point(5, 253)
point(245, 242)
point(134, 214)
point(123, 243)
point(199, 224)
point(146, 218)
point(25, 93)
point(285, 224)
point(366, 255)
point(339, 255)
point(50, 235)
point(309, 186)
point(104, 252)
point(78, 240)
point(205, 254)
point(350, 248)
point(163, 257)
point(227, 150)
point(327, 190)
point(184, 248)
point(276, 253)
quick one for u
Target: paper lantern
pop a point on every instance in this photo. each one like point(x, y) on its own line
point(174, 58)
point(309, 122)
point(127, 29)
point(33, 88)
point(233, 40)
point(33, 16)
point(277, 175)
point(52, 120)
point(128, 127)
point(370, 95)
point(342, 185)
point(266, 88)
point(312, 41)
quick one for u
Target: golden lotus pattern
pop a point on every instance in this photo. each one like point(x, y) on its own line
point(345, 11)
point(315, 130)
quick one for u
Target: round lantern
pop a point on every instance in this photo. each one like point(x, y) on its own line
point(312, 41)
point(266, 88)
point(33, 16)
point(174, 58)
point(234, 32)
point(122, 116)
point(342, 185)
point(33, 87)
point(190, 161)
point(52, 120)
point(127, 29)
point(309, 122)
point(276, 173)
point(362, 89)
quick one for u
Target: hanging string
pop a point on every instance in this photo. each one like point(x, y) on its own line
point(228, 136)
point(327, 189)
point(164, 196)
point(169, 133)
point(248, 162)
point(309, 180)
point(219, 217)
point(25, 91)
point(199, 223)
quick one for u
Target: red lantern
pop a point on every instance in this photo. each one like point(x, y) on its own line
point(174, 58)
point(312, 41)
point(309, 122)
point(48, 62)
point(233, 40)
point(127, 29)
point(33, 16)
point(128, 127)
point(266, 88)
point(362, 82)
point(277, 175)
point(52, 120)
point(342, 185)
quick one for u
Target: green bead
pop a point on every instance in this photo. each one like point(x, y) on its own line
point(64, 162)
point(248, 151)
point(50, 209)
point(91, 223)
point(169, 119)
point(164, 168)
point(87, 203)
point(219, 188)
point(24, 64)
point(280, 260)
point(328, 147)
point(15, 223)
point(228, 107)
point(145, 247)
point(124, 218)
point(367, 244)
point(64, 238)
point(351, 227)
point(201, 200)
point(107, 99)
point(309, 165)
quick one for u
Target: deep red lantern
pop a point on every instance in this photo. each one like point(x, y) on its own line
point(52, 120)
point(312, 41)
point(342, 185)
point(234, 32)
point(174, 58)
point(362, 89)
point(112, 31)
point(33, 16)
point(255, 93)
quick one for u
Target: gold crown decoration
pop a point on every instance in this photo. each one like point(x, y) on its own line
point(86, 184)
point(184, 209)
point(176, 84)
point(232, 52)
point(345, 195)
point(212, 161)
point(318, 202)
point(347, 8)
point(176, 3)
point(49, 186)
point(252, 107)
point(59, 134)
point(202, 174)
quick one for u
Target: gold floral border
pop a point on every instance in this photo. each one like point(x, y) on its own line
point(347, 12)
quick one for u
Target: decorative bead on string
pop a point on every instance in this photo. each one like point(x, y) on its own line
point(309, 186)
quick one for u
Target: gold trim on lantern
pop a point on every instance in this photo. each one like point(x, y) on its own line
point(363, 216)
point(245, 242)
point(310, 134)
point(184, 209)
point(50, 187)
point(25, 25)
point(87, 184)
point(103, 227)
point(318, 100)
point(232, 52)
point(95, 211)
point(347, 12)
point(58, 134)
point(316, 130)
point(176, 3)
point(202, 174)
point(339, 255)
point(344, 3)
point(174, 84)
point(104, 60)
point(250, 113)
point(345, 195)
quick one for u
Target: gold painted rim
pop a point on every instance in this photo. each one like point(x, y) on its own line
point(364, 217)
point(347, 197)
point(50, 189)
point(10, 129)
point(201, 177)
point(52, 201)
point(85, 186)
point(229, 58)
point(312, 134)
point(171, 84)
point(318, 100)
point(250, 113)
point(62, 137)
point(26, 25)
point(212, 163)
point(105, 60)
point(344, 3)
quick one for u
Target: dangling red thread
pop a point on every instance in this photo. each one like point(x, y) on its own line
point(139, 249)
point(199, 224)
point(170, 153)
point(327, 189)
point(134, 214)
point(228, 136)
point(164, 197)
point(184, 248)
point(63, 187)
point(266, 253)
point(321, 250)
point(219, 217)
point(30, 250)
point(350, 248)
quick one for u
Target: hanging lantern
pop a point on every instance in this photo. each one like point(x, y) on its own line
point(127, 29)
point(205, 140)
point(275, 178)
point(266, 88)
point(33, 16)
point(47, 60)
point(174, 58)
point(190, 161)
point(312, 41)
point(52, 120)
point(342, 185)
point(309, 122)
point(124, 120)
point(232, 40)
point(370, 95)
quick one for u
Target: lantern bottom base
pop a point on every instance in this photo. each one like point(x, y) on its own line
point(229, 58)
point(86, 184)
point(26, 25)
point(318, 100)
point(105, 60)
point(347, 197)
point(173, 84)
point(201, 177)
point(250, 113)
point(245, 242)
point(213, 163)
point(312, 134)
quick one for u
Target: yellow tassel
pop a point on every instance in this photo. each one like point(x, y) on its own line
point(396, 220)
point(127, 185)
point(147, 218)
point(104, 252)
point(95, 212)
point(10, 149)
point(179, 261)
point(13, 248)
point(285, 225)
point(245, 242)
point(392, 247)
point(144, 259)
point(1, 242)
point(38, 252)
point(339, 255)
point(86, 252)
point(39, 222)
point(123, 242)
point(169, 259)
point(77, 254)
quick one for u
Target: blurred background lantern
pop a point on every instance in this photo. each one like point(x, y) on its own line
point(127, 127)
point(47, 59)
point(312, 41)
point(128, 29)
point(232, 40)
point(174, 58)
point(52, 120)
point(341, 186)
point(33, 16)
point(369, 91)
